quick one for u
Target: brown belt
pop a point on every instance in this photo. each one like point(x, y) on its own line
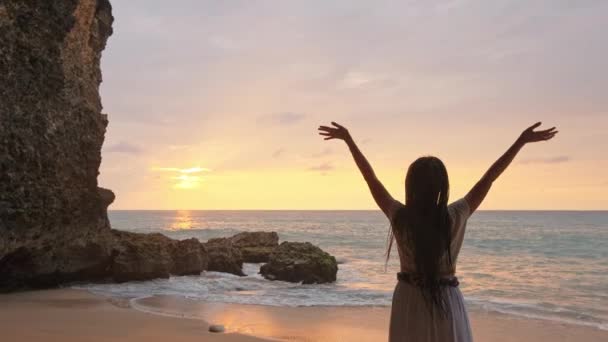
point(419, 281)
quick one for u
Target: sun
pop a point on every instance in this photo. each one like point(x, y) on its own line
point(186, 178)
point(185, 181)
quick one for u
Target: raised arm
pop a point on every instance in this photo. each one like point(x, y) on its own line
point(480, 190)
point(383, 199)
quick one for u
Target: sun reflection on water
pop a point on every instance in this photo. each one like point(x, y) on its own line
point(183, 220)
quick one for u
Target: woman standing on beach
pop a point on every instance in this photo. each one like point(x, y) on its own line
point(427, 304)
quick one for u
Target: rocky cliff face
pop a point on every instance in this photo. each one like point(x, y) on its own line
point(52, 214)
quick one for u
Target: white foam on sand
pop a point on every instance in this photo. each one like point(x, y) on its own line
point(217, 287)
point(251, 289)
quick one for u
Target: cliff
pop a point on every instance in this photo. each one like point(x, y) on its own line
point(52, 214)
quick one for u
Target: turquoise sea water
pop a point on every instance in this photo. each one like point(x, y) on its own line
point(543, 264)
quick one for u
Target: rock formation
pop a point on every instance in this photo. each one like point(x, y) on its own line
point(53, 216)
point(300, 262)
point(149, 256)
point(256, 247)
point(53, 222)
point(228, 254)
point(224, 256)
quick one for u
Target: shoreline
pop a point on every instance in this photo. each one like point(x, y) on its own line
point(79, 315)
point(71, 315)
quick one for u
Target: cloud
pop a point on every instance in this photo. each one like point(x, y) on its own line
point(179, 147)
point(356, 80)
point(551, 160)
point(124, 147)
point(286, 118)
point(325, 167)
point(327, 151)
point(187, 181)
point(581, 185)
point(195, 169)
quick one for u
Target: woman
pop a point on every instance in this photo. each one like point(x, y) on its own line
point(427, 304)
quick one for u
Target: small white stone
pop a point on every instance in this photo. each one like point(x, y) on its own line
point(217, 328)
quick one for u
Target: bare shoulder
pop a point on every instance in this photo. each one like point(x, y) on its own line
point(394, 208)
point(460, 208)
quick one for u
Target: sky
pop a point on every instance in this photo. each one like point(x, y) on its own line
point(216, 104)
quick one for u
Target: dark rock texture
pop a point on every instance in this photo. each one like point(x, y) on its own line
point(140, 257)
point(223, 256)
point(53, 216)
point(300, 262)
point(53, 222)
point(256, 247)
point(228, 254)
point(149, 256)
point(189, 257)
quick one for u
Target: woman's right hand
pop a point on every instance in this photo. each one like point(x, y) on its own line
point(530, 135)
point(336, 132)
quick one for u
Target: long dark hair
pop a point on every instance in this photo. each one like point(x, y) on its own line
point(425, 224)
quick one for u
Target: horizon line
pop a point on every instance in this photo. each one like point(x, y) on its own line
point(478, 210)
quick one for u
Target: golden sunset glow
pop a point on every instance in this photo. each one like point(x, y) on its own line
point(187, 182)
point(189, 170)
point(185, 178)
point(182, 221)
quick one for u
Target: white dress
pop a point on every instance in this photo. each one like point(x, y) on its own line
point(411, 321)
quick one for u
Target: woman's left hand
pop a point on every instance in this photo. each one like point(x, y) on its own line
point(336, 132)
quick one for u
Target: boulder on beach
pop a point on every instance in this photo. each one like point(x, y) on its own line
point(189, 256)
point(45, 261)
point(256, 247)
point(148, 256)
point(140, 257)
point(223, 256)
point(300, 262)
point(217, 328)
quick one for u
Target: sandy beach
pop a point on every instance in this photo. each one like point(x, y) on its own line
point(76, 315)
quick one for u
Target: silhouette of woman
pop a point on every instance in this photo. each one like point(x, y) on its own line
point(427, 304)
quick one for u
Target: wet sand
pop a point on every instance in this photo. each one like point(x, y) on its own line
point(75, 315)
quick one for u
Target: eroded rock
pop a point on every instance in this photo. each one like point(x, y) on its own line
point(150, 256)
point(140, 256)
point(256, 247)
point(53, 221)
point(189, 257)
point(47, 262)
point(224, 256)
point(300, 262)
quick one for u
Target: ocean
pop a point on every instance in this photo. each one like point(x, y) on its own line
point(550, 265)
